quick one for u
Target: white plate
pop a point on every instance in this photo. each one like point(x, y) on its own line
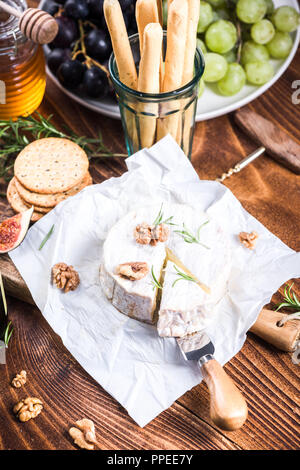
point(210, 105)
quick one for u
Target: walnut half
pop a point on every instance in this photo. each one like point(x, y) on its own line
point(19, 379)
point(28, 408)
point(65, 277)
point(151, 234)
point(84, 434)
point(133, 271)
point(248, 239)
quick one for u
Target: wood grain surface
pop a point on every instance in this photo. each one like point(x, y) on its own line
point(267, 377)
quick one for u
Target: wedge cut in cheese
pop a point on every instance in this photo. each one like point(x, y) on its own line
point(137, 299)
point(196, 247)
point(188, 306)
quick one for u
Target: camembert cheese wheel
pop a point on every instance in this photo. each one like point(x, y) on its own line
point(191, 282)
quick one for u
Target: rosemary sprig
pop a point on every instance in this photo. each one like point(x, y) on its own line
point(182, 276)
point(154, 280)
point(46, 237)
point(159, 219)
point(8, 332)
point(290, 299)
point(15, 135)
point(189, 237)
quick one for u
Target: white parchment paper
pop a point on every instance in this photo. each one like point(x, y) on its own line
point(144, 372)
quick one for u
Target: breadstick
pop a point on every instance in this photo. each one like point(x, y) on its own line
point(148, 81)
point(174, 62)
point(176, 40)
point(146, 12)
point(120, 42)
point(189, 60)
point(124, 58)
point(191, 40)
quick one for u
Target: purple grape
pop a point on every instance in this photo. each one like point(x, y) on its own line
point(96, 9)
point(50, 7)
point(67, 32)
point(77, 9)
point(70, 73)
point(57, 57)
point(125, 4)
point(98, 45)
point(95, 82)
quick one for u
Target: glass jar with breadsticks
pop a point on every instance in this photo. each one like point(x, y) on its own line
point(156, 73)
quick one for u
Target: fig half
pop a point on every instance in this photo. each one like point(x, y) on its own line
point(13, 230)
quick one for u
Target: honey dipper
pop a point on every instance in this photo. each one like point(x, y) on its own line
point(35, 24)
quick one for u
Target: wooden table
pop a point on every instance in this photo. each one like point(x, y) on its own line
point(267, 377)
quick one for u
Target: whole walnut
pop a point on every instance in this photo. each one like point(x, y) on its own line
point(19, 379)
point(28, 408)
point(65, 277)
point(151, 234)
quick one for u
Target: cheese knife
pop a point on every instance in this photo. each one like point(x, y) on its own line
point(228, 408)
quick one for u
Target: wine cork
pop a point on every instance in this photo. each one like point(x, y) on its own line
point(149, 80)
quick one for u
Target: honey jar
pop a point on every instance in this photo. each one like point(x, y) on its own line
point(22, 68)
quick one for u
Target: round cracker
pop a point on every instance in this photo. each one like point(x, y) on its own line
point(18, 204)
point(51, 165)
point(51, 200)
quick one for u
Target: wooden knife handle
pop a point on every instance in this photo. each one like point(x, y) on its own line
point(282, 337)
point(228, 408)
point(279, 145)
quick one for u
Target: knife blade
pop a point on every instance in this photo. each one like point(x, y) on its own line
point(228, 408)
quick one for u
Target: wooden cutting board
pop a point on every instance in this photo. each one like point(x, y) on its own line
point(13, 281)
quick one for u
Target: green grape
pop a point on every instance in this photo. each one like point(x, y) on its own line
point(251, 11)
point(280, 46)
point(215, 67)
point(206, 17)
point(215, 16)
point(201, 88)
point(262, 31)
point(252, 52)
point(233, 81)
point(230, 56)
point(259, 73)
point(216, 3)
point(222, 14)
point(286, 19)
point(201, 45)
point(221, 36)
point(270, 6)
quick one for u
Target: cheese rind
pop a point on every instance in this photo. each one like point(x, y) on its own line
point(184, 306)
point(137, 299)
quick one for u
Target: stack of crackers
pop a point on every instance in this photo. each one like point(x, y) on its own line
point(47, 172)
